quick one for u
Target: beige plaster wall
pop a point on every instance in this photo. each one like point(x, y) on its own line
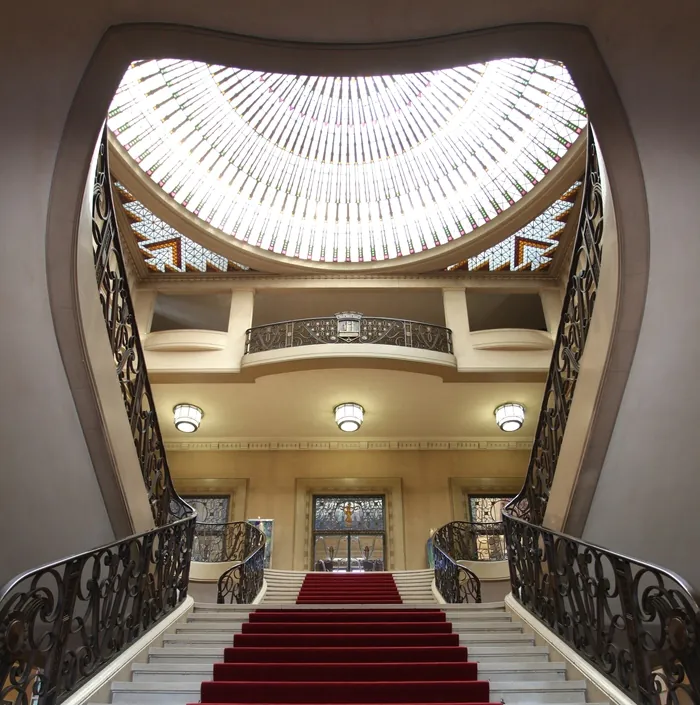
point(425, 478)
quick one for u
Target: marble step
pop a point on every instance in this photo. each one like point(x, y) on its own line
point(485, 654)
point(226, 639)
point(232, 627)
point(190, 672)
point(538, 691)
point(453, 608)
point(184, 692)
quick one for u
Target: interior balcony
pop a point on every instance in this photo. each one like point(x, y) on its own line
point(485, 330)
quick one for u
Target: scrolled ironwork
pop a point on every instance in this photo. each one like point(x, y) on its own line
point(219, 543)
point(569, 344)
point(473, 541)
point(125, 343)
point(243, 581)
point(61, 623)
point(455, 582)
point(637, 623)
point(372, 330)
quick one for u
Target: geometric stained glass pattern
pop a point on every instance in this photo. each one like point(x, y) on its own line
point(210, 509)
point(164, 249)
point(347, 169)
point(347, 514)
point(532, 247)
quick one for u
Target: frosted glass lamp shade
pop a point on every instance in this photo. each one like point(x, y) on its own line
point(510, 416)
point(349, 416)
point(187, 417)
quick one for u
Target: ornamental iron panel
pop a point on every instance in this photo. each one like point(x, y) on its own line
point(63, 622)
point(569, 345)
point(243, 581)
point(637, 623)
point(348, 328)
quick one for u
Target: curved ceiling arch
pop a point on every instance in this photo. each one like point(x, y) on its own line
point(369, 170)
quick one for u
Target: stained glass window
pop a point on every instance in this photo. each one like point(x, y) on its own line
point(211, 509)
point(532, 247)
point(165, 249)
point(486, 508)
point(347, 169)
point(349, 514)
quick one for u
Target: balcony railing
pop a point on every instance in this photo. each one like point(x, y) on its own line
point(352, 328)
point(475, 541)
point(221, 543)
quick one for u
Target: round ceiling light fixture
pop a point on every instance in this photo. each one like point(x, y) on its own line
point(349, 416)
point(510, 416)
point(187, 417)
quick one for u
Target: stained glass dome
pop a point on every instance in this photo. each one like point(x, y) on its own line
point(347, 169)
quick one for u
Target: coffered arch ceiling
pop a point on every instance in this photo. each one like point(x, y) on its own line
point(293, 172)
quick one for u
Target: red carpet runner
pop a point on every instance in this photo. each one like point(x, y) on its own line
point(346, 656)
point(348, 589)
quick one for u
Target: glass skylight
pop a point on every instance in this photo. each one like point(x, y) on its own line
point(353, 169)
point(532, 247)
point(164, 249)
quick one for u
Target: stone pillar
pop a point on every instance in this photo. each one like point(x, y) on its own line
point(457, 319)
point(551, 305)
point(144, 301)
point(240, 319)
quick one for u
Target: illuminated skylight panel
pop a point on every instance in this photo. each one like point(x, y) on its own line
point(347, 169)
point(164, 248)
point(532, 247)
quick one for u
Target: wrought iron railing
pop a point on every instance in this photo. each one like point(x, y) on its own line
point(474, 541)
point(637, 623)
point(217, 543)
point(455, 582)
point(577, 309)
point(63, 622)
point(370, 330)
point(243, 581)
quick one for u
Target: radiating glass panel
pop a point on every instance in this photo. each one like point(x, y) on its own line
point(347, 169)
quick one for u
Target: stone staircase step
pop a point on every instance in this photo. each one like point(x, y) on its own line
point(508, 653)
point(538, 691)
point(190, 672)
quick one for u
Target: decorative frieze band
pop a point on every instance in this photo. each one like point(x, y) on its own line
point(286, 445)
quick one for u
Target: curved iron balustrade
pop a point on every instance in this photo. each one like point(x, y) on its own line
point(371, 330)
point(456, 583)
point(637, 623)
point(474, 541)
point(570, 342)
point(221, 543)
point(63, 622)
point(243, 581)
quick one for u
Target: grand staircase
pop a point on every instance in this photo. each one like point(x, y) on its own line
point(337, 654)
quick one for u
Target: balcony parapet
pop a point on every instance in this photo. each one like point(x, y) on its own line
point(348, 329)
